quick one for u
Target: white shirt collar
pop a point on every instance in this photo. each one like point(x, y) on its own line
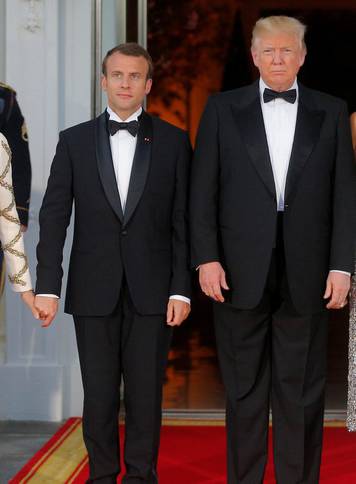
point(263, 86)
point(115, 117)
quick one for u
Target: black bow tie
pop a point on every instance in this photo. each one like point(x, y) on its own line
point(114, 126)
point(289, 96)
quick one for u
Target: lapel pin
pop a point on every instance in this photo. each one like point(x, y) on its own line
point(147, 140)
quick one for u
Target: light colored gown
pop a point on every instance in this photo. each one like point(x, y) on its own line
point(351, 397)
point(10, 228)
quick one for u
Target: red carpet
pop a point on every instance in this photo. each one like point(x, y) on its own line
point(189, 455)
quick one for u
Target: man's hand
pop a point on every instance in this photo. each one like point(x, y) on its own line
point(47, 308)
point(28, 298)
point(212, 279)
point(337, 289)
point(177, 312)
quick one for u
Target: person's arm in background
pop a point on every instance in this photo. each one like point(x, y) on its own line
point(10, 232)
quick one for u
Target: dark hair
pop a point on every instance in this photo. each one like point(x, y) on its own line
point(130, 49)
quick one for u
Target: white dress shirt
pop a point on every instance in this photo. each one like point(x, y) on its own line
point(280, 119)
point(123, 146)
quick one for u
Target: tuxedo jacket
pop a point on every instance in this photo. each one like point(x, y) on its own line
point(233, 197)
point(147, 244)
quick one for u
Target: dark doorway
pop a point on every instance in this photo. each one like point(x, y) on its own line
point(203, 47)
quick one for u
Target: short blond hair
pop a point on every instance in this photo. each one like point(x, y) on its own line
point(279, 23)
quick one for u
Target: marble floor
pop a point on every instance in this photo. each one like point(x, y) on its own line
point(19, 441)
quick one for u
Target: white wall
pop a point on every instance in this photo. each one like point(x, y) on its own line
point(2, 39)
point(48, 61)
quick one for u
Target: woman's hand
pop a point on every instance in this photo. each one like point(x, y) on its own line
point(28, 298)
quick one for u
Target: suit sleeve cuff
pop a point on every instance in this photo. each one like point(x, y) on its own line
point(23, 215)
point(341, 272)
point(180, 298)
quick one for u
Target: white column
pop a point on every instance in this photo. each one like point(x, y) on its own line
point(2, 39)
point(48, 61)
point(76, 95)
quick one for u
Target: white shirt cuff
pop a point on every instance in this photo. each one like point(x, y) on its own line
point(175, 296)
point(180, 298)
point(341, 272)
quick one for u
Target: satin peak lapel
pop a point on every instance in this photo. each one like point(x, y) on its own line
point(140, 165)
point(307, 132)
point(251, 126)
point(105, 165)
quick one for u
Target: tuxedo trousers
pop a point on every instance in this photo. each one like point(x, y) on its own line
point(134, 347)
point(273, 356)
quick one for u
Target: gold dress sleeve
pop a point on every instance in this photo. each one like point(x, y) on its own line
point(10, 228)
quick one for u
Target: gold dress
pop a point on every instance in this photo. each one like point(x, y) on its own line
point(10, 228)
point(351, 397)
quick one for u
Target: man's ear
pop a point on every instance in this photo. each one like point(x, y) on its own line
point(103, 82)
point(254, 55)
point(302, 57)
point(148, 86)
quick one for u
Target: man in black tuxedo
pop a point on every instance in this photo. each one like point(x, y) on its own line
point(129, 279)
point(273, 225)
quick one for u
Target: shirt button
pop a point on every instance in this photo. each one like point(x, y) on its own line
point(124, 232)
